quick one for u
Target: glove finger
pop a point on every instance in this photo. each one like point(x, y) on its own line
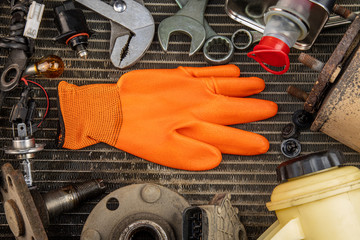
point(235, 87)
point(177, 151)
point(229, 70)
point(227, 139)
point(229, 110)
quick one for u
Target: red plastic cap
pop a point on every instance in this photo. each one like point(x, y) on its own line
point(271, 51)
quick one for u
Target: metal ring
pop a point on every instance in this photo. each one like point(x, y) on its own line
point(9, 85)
point(146, 226)
point(215, 40)
point(248, 33)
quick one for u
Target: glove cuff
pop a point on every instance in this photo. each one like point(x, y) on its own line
point(88, 115)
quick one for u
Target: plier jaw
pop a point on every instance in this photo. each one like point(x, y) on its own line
point(132, 30)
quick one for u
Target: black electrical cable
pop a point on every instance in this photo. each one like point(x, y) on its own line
point(20, 48)
point(16, 40)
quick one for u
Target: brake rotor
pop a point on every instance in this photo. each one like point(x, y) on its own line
point(139, 211)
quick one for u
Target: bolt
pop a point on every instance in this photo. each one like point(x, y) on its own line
point(344, 12)
point(311, 62)
point(150, 193)
point(298, 93)
point(67, 198)
point(119, 6)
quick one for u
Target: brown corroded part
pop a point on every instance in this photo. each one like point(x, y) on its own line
point(344, 12)
point(331, 69)
point(14, 218)
point(311, 62)
point(297, 92)
point(339, 115)
point(25, 221)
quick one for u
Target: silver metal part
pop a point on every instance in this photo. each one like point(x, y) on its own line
point(131, 211)
point(28, 212)
point(336, 21)
point(151, 227)
point(81, 51)
point(30, 70)
point(132, 30)
point(251, 14)
point(24, 147)
point(188, 20)
point(213, 39)
point(26, 166)
point(68, 197)
point(252, 36)
point(119, 6)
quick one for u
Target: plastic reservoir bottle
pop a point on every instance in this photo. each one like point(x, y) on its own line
point(318, 199)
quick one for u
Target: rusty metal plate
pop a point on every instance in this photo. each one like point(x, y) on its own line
point(339, 115)
point(333, 66)
point(21, 212)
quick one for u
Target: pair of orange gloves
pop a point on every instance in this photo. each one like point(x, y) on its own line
point(173, 117)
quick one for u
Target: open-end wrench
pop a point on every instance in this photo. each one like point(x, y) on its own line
point(188, 20)
point(126, 47)
point(212, 38)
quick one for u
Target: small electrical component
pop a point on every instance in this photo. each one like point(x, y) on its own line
point(33, 19)
point(71, 23)
point(22, 119)
point(51, 67)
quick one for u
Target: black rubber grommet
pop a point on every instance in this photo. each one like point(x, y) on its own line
point(291, 148)
point(302, 119)
point(290, 131)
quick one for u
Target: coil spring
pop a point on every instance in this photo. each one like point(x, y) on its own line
point(16, 40)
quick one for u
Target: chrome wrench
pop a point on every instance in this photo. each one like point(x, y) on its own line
point(212, 38)
point(127, 48)
point(188, 20)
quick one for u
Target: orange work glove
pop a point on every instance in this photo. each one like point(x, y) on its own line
point(172, 117)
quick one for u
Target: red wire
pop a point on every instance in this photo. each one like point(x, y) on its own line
point(25, 81)
point(47, 97)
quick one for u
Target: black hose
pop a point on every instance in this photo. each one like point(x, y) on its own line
point(21, 48)
point(16, 40)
